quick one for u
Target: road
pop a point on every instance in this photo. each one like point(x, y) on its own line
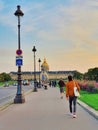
point(8, 93)
point(44, 110)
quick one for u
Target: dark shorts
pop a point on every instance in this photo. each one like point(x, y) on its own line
point(61, 90)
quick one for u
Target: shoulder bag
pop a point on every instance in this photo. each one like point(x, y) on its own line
point(76, 92)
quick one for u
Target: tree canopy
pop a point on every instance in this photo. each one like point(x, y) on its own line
point(92, 74)
point(4, 77)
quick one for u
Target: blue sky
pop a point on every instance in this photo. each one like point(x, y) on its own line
point(65, 32)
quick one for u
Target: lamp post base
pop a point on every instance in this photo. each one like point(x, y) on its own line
point(19, 98)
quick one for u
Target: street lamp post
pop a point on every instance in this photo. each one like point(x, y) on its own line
point(19, 96)
point(35, 82)
point(39, 73)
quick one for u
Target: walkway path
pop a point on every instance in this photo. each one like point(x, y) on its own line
point(44, 110)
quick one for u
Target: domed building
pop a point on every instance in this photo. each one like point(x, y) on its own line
point(45, 66)
point(44, 71)
point(45, 74)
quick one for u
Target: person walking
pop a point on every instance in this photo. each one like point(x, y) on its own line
point(61, 84)
point(70, 95)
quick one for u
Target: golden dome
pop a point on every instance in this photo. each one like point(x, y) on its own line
point(45, 66)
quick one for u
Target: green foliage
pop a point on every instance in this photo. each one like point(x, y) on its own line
point(4, 77)
point(1, 84)
point(78, 75)
point(92, 74)
point(90, 99)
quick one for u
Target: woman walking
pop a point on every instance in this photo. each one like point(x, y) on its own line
point(70, 95)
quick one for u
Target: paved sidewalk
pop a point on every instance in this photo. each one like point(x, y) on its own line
point(44, 110)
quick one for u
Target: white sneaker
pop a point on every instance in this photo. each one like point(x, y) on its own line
point(74, 116)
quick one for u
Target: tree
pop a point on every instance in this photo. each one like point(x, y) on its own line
point(78, 75)
point(1, 78)
point(4, 77)
point(92, 74)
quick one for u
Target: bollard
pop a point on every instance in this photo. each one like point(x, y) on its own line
point(45, 86)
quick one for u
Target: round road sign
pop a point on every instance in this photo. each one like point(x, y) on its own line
point(18, 52)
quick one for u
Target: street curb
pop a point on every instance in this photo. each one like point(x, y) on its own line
point(91, 111)
point(29, 91)
point(11, 102)
point(6, 105)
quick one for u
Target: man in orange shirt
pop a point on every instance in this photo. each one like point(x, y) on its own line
point(70, 95)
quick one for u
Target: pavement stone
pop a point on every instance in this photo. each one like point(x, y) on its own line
point(45, 110)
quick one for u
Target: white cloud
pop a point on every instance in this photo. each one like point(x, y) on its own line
point(71, 30)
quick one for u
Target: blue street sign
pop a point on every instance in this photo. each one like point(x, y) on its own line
point(19, 62)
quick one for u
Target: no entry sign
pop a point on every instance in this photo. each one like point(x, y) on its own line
point(19, 52)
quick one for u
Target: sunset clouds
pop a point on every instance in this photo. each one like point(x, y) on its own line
point(65, 32)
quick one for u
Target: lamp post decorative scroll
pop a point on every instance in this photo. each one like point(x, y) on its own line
point(19, 96)
point(35, 82)
point(39, 73)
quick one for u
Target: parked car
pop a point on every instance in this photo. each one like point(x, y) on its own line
point(14, 84)
point(6, 85)
point(25, 82)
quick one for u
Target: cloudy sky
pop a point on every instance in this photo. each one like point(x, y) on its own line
point(65, 32)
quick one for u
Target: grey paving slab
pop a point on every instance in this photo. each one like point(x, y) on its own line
point(44, 110)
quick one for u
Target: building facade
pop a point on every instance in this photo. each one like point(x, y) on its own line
point(44, 70)
point(51, 75)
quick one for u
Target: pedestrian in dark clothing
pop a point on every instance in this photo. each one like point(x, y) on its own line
point(61, 86)
point(50, 83)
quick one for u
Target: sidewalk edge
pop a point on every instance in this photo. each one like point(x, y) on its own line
point(91, 111)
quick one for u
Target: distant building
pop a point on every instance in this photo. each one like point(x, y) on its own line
point(28, 75)
point(45, 66)
point(44, 72)
point(51, 75)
